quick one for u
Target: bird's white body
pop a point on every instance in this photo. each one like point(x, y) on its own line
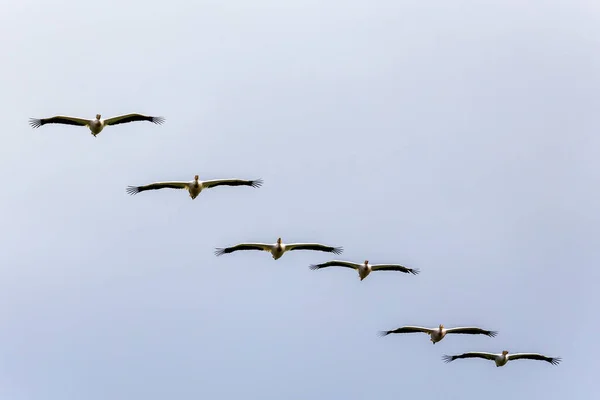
point(437, 335)
point(194, 188)
point(364, 270)
point(96, 126)
point(501, 359)
point(277, 250)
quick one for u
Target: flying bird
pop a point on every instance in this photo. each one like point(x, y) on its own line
point(504, 357)
point(95, 125)
point(365, 269)
point(278, 249)
point(437, 334)
point(194, 187)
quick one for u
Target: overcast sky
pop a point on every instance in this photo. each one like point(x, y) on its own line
point(457, 137)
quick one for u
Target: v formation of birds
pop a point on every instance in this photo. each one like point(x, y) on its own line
point(278, 249)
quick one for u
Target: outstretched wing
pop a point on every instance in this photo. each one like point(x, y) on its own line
point(314, 246)
point(59, 119)
point(123, 119)
point(535, 356)
point(232, 182)
point(474, 354)
point(472, 331)
point(157, 185)
point(243, 246)
point(407, 329)
point(335, 263)
point(394, 267)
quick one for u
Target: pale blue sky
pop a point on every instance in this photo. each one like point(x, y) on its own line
point(458, 137)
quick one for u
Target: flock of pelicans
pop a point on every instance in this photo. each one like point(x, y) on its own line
point(278, 248)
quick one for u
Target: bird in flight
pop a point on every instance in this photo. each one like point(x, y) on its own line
point(437, 334)
point(95, 125)
point(194, 187)
point(504, 357)
point(278, 249)
point(365, 268)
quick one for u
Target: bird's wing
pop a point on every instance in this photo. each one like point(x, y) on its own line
point(59, 119)
point(407, 329)
point(473, 354)
point(471, 331)
point(394, 267)
point(232, 182)
point(157, 185)
point(314, 246)
point(243, 246)
point(123, 119)
point(534, 356)
point(335, 263)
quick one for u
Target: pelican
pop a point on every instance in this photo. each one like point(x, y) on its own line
point(194, 187)
point(278, 249)
point(365, 269)
point(95, 125)
point(437, 334)
point(504, 357)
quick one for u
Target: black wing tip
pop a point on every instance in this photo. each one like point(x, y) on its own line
point(555, 360)
point(383, 333)
point(314, 267)
point(337, 250)
point(219, 251)
point(415, 271)
point(158, 120)
point(492, 333)
point(35, 122)
point(132, 190)
point(256, 183)
point(447, 359)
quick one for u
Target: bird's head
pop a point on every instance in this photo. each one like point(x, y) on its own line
point(504, 352)
point(98, 116)
point(278, 240)
point(366, 262)
point(196, 177)
point(441, 327)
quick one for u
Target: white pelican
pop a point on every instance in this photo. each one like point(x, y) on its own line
point(365, 269)
point(194, 187)
point(278, 249)
point(437, 334)
point(95, 125)
point(504, 357)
